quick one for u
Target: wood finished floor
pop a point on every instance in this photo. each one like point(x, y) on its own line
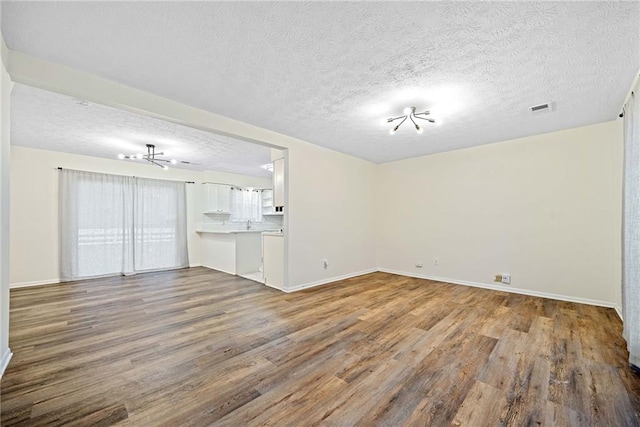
point(199, 347)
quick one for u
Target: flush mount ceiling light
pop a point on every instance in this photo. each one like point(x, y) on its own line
point(410, 113)
point(150, 157)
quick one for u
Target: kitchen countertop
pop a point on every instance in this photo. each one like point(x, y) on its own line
point(273, 233)
point(237, 231)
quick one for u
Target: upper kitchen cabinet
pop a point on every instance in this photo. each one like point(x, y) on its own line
point(278, 183)
point(217, 198)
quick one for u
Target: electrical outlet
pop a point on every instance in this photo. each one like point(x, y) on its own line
point(436, 261)
point(325, 263)
point(419, 264)
point(503, 278)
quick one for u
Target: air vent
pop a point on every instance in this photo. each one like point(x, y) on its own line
point(542, 108)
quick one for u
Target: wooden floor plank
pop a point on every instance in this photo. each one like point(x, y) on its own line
point(479, 407)
point(200, 347)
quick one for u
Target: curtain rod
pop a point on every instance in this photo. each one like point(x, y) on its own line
point(235, 186)
point(626, 98)
point(621, 115)
point(219, 183)
point(132, 176)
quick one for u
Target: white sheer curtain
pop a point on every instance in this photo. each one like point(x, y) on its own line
point(631, 228)
point(160, 225)
point(111, 224)
point(246, 205)
point(96, 213)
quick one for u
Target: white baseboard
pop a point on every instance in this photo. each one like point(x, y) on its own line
point(400, 273)
point(619, 311)
point(329, 280)
point(504, 289)
point(275, 287)
point(233, 273)
point(195, 265)
point(34, 283)
point(6, 357)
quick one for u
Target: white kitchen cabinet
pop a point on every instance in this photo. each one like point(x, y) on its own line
point(278, 183)
point(232, 252)
point(217, 198)
point(248, 253)
point(273, 259)
point(218, 251)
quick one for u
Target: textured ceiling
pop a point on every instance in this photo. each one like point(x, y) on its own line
point(50, 121)
point(330, 72)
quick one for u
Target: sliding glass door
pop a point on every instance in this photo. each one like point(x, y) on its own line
point(111, 224)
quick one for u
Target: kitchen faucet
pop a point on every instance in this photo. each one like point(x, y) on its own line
point(248, 224)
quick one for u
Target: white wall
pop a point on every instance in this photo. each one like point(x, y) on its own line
point(34, 205)
point(331, 215)
point(330, 195)
point(546, 209)
point(5, 135)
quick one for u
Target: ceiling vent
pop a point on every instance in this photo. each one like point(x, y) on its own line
point(542, 108)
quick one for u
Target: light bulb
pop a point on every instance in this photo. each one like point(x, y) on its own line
point(419, 129)
point(407, 110)
point(174, 161)
point(393, 131)
point(139, 156)
point(165, 167)
point(121, 156)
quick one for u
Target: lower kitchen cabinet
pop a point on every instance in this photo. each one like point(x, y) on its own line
point(234, 253)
